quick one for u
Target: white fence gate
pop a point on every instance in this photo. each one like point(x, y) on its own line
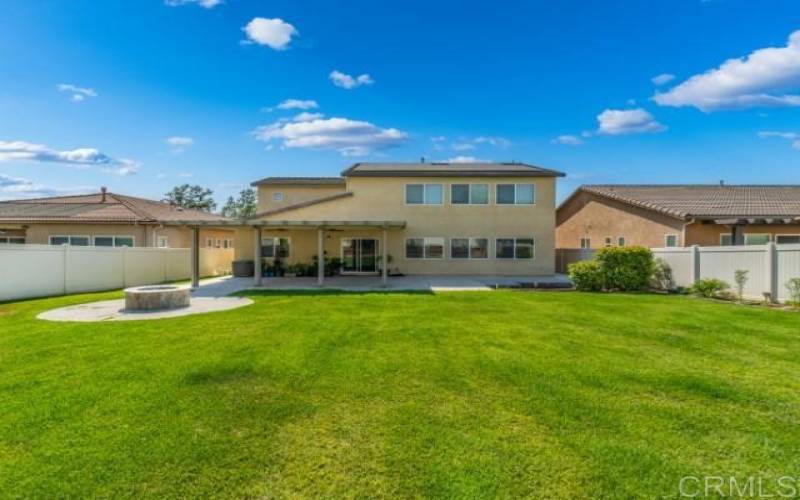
point(769, 267)
point(41, 270)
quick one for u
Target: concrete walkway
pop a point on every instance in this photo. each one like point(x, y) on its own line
point(212, 296)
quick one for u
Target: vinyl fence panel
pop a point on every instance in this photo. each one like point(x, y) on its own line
point(788, 263)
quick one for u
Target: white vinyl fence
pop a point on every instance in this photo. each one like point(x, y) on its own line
point(769, 267)
point(41, 270)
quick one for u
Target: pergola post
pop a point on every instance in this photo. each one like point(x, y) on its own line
point(257, 256)
point(385, 257)
point(195, 256)
point(320, 256)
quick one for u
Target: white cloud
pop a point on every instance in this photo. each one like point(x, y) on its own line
point(466, 159)
point(298, 104)
point(627, 121)
point(437, 142)
point(662, 79)
point(12, 188)
point(124, 168)
point(569, 140)
point(793, 137)
point(305, 116)
point(185, 175)
point(462, 146)
point(348, 137)
point(759, 79)
point(348, 82)
point(26, 151)
point(208, 4)
point(274, 33)
point(498, 142)
point(179, 143)
point(78, 93)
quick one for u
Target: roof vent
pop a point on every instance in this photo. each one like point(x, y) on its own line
point(721, 183)
point(422, 159)
point(103, 191)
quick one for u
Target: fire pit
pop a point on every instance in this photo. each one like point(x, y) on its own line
point(155, 297)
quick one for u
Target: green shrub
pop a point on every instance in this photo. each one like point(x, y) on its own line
point(709, 287)
point(793, 285)
point(586, 276)
point(626, 268)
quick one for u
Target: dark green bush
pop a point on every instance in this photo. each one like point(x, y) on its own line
point(586, 276)
point(708, 287)
point(626, 268)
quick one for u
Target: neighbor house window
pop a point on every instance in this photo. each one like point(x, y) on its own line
point(209, 242)
point(621, 241)
point(277, 196)
point(12, 239)
point(515, 194)
point(726, 240)
point(586, 243)
point(671, 240)
point(227, 243)
point(424, 194)
point(469, 194)
point(514, 248)
point(469, 248)
point(276, 247)
point(756, 239)
point(424, 248)
point(162, 242)
point(219, 243)
point(113, 241)
point(781, 239)
point(608, 241)
point(75, 241)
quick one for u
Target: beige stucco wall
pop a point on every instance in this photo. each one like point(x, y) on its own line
point(587, 216)
point(383, 198)
point(293, 193)
point(144, 235)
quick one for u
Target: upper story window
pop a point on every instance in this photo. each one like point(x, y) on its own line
point(469, 194)
point(424, 194)
point(516, 194)
point(277, 196)
point(608, 241)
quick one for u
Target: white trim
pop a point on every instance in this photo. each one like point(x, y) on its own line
point(9, 238)
point(277, 196)
point(623, 240)
point(159, 239)
point(608, 241)
point(469, 194)
point(469, 247)
point(666, 239)
point(424, 190)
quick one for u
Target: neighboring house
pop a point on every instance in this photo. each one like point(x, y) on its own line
point(423, 218)
point(678, 215)
point(104, 219)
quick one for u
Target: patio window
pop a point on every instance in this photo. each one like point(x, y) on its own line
point(162, 242)
point(757, 239)
point(424, 194)
point(516, 194)
point(514, 248)
point(75, 241)
point(114, 241)
point(671, 240)
point(276, 247)
point(19, 240)
point(787, 239)
point(424, 248)
point(469, 248)
point(586, 243)
point(469, 194)
point(726, 240)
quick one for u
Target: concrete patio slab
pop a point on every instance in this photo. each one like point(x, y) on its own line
point(423, 282)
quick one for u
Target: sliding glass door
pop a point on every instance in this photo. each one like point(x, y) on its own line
point(359, 255)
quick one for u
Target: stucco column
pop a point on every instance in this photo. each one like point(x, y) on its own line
point(257, 256)
point(385, 257)
point(320, 256)
point(195, 255)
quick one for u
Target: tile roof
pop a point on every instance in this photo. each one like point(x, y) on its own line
point(509, 169)
point(300, 180)
point(706, 201)
point(91, 208)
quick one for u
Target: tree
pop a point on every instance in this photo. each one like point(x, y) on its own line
point(241, 208)
point(193, 197)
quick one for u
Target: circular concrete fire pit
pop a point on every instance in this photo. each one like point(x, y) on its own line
point(156, 297)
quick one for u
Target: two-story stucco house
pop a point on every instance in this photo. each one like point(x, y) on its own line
point(410, 218)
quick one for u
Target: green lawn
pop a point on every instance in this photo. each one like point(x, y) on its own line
point(387, 394)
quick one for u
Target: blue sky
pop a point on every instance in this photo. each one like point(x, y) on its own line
point(142, 95)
